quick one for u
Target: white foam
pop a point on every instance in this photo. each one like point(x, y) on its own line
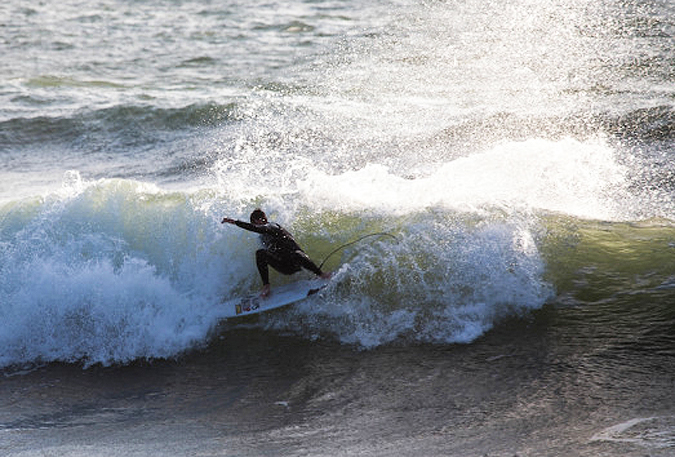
point(108, 272)
point(114, 270)
point(649, 432)
point(444, 282)
point(567, 176)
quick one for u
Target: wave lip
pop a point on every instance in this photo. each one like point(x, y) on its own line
point(580, 179)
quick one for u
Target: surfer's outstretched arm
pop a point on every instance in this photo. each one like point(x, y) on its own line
point(257, 228)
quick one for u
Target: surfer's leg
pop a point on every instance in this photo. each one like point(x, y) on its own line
point(283, 264)
point(305, 262)
point(261, 262)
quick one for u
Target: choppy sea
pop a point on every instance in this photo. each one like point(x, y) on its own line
point(521, 152)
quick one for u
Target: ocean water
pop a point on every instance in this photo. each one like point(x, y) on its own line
point(521, 152)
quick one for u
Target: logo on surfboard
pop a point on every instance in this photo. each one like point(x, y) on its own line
point(246, 306)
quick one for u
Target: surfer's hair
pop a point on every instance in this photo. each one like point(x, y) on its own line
point(258, 214)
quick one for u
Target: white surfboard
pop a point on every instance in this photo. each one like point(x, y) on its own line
point(279, 296)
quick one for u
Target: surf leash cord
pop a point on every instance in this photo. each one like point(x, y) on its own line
point(354, 242)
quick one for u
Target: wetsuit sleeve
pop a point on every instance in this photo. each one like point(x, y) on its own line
point(277, 238)
point(253, 228)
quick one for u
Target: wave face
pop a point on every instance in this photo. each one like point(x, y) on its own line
point(512, 149)
point(114, 270)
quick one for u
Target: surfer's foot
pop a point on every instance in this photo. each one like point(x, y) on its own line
point(265, 292)
point(326, 275)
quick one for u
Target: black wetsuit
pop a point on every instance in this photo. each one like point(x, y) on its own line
point(281, 252)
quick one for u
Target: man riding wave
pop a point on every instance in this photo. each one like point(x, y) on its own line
point(280, 250)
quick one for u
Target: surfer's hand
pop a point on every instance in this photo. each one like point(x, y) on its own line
point(227, 220)
point(326, 275)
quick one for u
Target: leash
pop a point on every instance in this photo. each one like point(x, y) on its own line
point(356, 241)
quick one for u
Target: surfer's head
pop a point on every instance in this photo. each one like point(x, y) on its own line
point(258, 217)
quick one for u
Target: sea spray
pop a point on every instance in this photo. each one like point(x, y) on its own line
point(449, 279)
point(109, 272)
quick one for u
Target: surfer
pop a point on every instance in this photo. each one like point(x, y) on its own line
point(280, 251)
